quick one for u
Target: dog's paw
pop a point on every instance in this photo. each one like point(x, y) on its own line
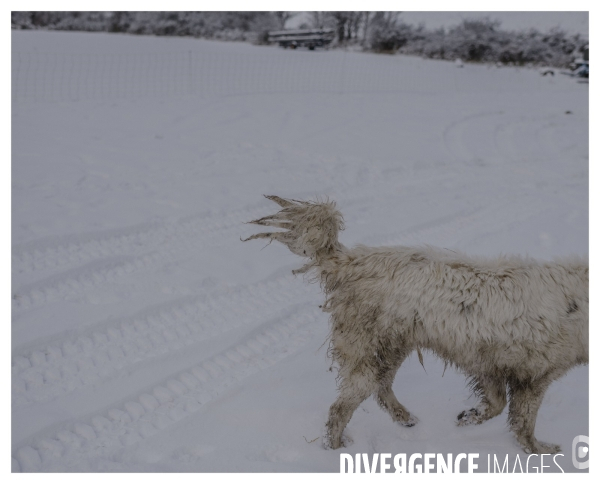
point(541, 448)
point(411, 421)
point(326, 439)
point(469, 417)
point(549, 448)
point(330, 443)
point(345, 441)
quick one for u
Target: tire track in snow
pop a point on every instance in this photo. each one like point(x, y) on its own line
point(46, 371)
point(188, 238)
point(36, 256)
point(76, 281)
point(78, 249)
point(145, 414)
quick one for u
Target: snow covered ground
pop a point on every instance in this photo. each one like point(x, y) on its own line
point(147, 337)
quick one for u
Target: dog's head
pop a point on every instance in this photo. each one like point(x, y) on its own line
point(311, 227)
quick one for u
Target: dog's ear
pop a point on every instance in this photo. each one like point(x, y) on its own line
point(276, 220)
point(282, 202)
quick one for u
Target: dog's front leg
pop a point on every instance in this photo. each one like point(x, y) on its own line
point(388, 363)
point(353, 391)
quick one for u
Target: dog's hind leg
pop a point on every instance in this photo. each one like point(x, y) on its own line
point(492, 392)
point(388, 367)
point(525, 400)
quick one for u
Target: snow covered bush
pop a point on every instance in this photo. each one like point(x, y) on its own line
point(480, 40)
point(82, 21)
point(389, 39)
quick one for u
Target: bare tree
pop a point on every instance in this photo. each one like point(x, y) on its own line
point(354, 24)
point(387, 20)
point(317, 19)
point(342, 20)
point(283, 17)
point(366, 20)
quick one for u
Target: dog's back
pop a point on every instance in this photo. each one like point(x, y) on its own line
point(508, 314)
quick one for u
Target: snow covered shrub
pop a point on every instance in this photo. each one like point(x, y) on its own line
point(390, 39)
point(21, 20)
point(480, 40)
point(82, 21)
point(167, 23)
point(120, 21)
point(474, 40)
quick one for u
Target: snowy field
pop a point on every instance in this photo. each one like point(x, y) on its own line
point(147, 337)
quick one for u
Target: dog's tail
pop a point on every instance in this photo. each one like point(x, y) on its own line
point(312, 229)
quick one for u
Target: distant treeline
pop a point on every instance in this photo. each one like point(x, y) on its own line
point(480, 40)
point(209, 25)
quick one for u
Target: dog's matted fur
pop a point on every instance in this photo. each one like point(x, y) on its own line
point(511, 324)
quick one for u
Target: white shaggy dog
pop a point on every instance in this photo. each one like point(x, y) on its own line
point(508, 323)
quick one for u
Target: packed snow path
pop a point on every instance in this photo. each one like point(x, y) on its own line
point(147, 337)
